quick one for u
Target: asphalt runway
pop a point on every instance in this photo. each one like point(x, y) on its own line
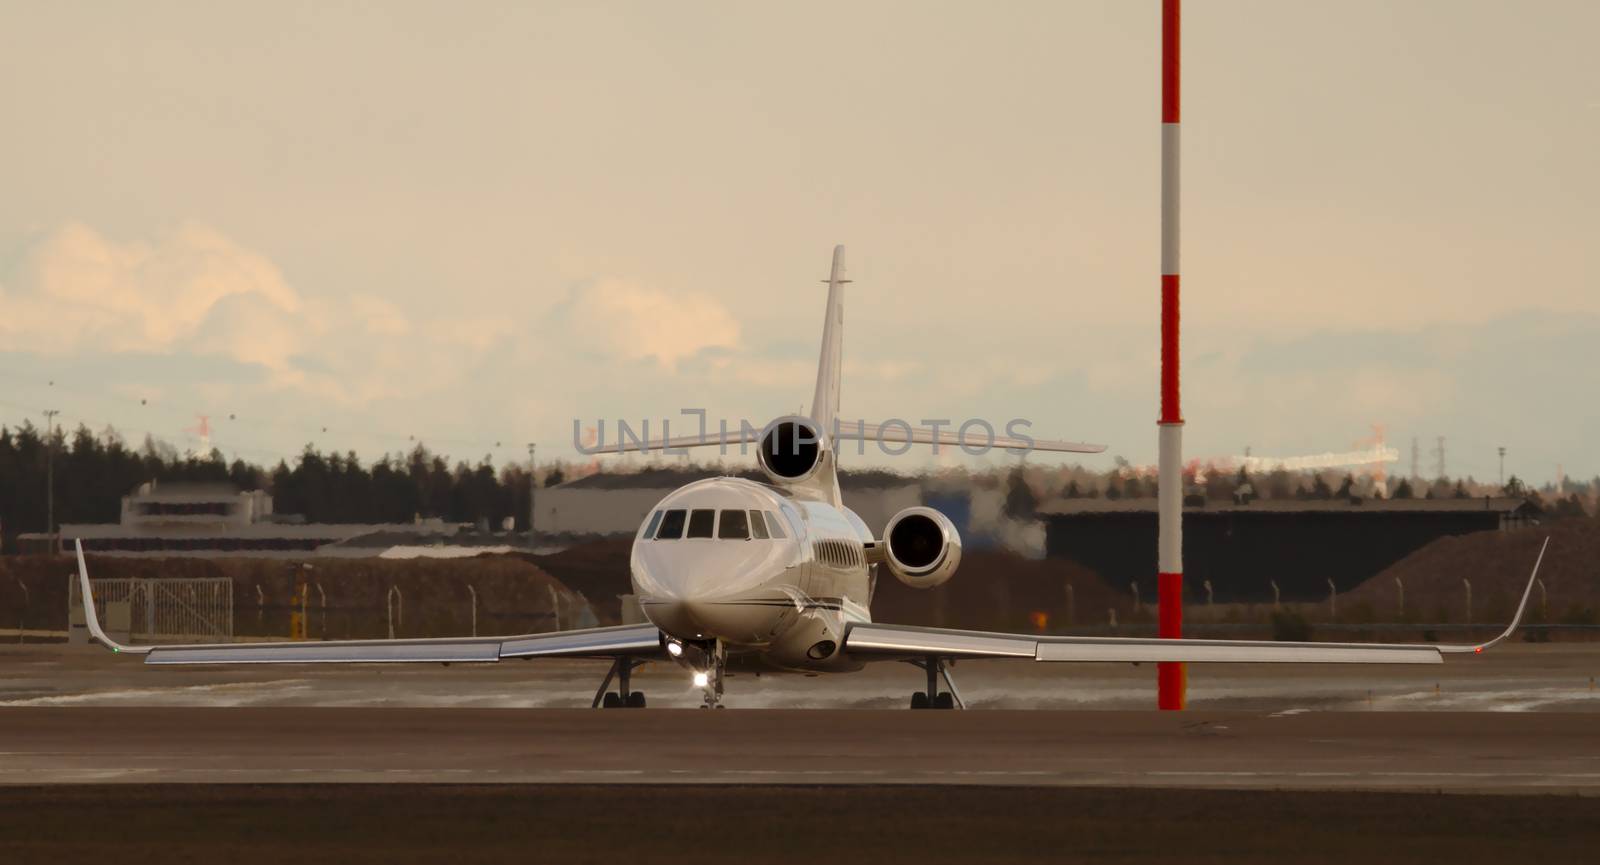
point(1457, 752)
point(384, 824)
point(103, 759)
point(1513, 677)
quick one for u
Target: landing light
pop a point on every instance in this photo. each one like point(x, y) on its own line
point(701, 680)
point(674, 649)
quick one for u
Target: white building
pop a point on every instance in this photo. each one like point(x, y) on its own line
point(219, 520)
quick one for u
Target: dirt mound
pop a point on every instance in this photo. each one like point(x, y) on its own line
point(598, 570)
point(1497, 565)
point(998, 590)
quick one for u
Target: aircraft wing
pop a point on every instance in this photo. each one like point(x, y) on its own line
point(640, 641)
point(904, 642)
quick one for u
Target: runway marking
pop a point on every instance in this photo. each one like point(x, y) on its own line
point(1379, 780)
point(225, 690)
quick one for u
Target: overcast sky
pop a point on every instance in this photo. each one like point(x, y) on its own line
point(472, 223)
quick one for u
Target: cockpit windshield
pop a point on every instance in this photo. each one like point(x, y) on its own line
point(650, 529)
point(671, 526)
point(734, 526)
point(701, 523)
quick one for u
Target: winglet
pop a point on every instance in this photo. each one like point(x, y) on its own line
point(92, 617)
point(1515, 620)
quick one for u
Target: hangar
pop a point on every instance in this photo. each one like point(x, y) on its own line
point(1242, 549)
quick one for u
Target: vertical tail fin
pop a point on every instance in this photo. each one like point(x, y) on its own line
point(825, 403)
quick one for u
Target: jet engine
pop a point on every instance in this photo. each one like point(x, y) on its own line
point(921, 547)
point(791, 449)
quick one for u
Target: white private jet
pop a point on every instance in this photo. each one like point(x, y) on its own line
point(780, 576)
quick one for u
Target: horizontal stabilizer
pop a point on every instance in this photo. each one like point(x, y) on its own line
point(728, 438)
point(973, 437)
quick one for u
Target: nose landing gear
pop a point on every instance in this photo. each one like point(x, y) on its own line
point(622, 697)
point(933, 698)
point(716, 664)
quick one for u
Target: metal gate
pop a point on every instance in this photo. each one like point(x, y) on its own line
point(168, 610)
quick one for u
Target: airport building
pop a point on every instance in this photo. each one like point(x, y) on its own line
point(218, 520)
point(1243, 549)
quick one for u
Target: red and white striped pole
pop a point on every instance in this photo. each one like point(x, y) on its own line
point(1170, 677)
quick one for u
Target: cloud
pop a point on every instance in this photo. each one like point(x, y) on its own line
point(76, 289)
point(638, 322)
point(193, 291)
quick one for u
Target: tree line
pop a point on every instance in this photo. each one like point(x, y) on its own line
point(93, 472)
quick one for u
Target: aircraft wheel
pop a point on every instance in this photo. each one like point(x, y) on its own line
point(945, 700)
point(919, 700)
point(636, 700)
point(612, 700)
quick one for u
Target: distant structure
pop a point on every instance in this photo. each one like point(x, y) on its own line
point(1243, 548)
point(218, 520)
point(202, 431)
point(1376, 455)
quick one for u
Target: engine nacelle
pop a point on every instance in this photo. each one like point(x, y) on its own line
point(921, 547)
point(791, 449)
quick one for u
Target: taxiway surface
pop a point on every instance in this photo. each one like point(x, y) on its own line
point(1514, 677)
point(1462, 752)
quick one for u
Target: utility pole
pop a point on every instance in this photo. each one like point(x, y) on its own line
point(50, 475)
point(1502, 467)
point(1416, 454)
point(533, 485)
point(1438, 453)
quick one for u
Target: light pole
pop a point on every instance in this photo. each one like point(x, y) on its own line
point(50, 475)
point(1502, 467)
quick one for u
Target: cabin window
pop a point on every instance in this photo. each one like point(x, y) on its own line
point(774, 525)
point(701, 523)
point(650, 529)
point(734, 526)
point(671, 526)
point(758, 526)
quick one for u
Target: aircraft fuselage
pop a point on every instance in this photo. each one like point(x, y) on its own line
point(755, 567)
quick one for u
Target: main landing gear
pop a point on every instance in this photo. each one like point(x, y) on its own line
point(933, 698)
point(622, 697)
